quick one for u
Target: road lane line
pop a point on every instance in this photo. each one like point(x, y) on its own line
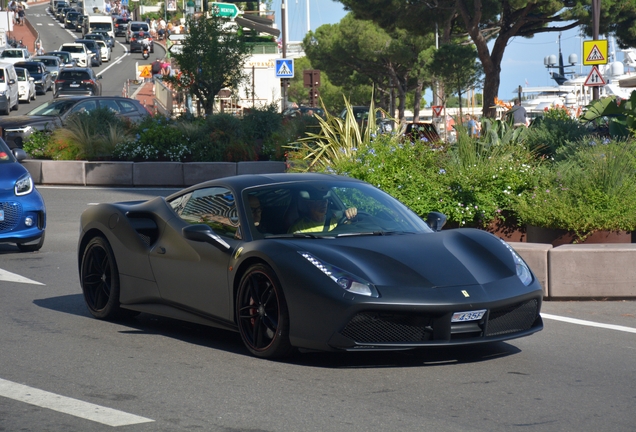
point(66, 405)
point(12, 277)
point(589, 323)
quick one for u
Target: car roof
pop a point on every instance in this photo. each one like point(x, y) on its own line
point(72, 69)
point(241, 182)
point(46, 57)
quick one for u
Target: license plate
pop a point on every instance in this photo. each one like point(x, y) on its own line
point(468, 316)
point(1, 215)
point(74, 85)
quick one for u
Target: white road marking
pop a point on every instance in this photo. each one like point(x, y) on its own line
point(12, 277)
point(66, 405)
point(589, 323)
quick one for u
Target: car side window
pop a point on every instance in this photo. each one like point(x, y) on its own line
point(109, 103)
point(215, 207)
point(127, 107)
point(88, 105)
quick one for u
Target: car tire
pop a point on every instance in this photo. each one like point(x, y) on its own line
point(99, 278)
point(32, 247)
point(261, 313)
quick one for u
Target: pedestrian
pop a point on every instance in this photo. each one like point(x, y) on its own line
point(518, 114)
point(156, 70)
point(21, 15)
point(38, 49)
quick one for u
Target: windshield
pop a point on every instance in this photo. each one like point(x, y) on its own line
point(319, 209)
point(46, 62)
point(12, 54)
point(53, 108)
point(5, 154)
point(21, 74)
point(73, 48)
point(101, 26)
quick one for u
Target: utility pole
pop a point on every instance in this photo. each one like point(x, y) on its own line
point(596, 17)
point(284, 81)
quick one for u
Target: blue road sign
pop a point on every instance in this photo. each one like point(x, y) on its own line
point(284, 68)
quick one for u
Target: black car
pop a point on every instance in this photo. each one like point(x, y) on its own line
point(70, 21)
point(52, 114)
point(98, 36)
point(41, 75)
point(252, 254)
point(66, 59)
point(61, 13)
point(78, 81)
point(110, 41)
point(91, 45)
point(136, 44)
point(79, 25)
point(121, 25)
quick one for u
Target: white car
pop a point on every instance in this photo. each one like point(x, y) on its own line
point(79, 52)
point(104, 50)
point(14, 55)
point(26, 85)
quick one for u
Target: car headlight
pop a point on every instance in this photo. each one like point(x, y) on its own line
point(345, 280)
point(3, 93)
point(523, 271)
point(24, 185)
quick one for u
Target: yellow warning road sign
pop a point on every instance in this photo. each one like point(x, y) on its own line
point(595, 52)
point(145, 71)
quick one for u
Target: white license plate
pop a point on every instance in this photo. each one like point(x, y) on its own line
point(468, 316)
point(1, 215)
point(74, 85)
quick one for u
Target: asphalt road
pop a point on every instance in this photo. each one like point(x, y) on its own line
point(61, 370)
point(121, 67)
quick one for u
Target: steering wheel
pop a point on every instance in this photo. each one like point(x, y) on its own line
point(344, 217)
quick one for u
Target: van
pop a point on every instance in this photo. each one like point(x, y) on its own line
point(8, 88)
point(135, 26)
point(98, 22)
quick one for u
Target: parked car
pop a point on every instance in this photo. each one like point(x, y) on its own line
point(95, 50)
point(14, 55)
point(70, 21)
point(303, 111)
point(26, 86)
point(66, 58)
point(52, 114)
point(136, 41)
point(361, 116)
point(381, 280)
point(22, 209)
point(79, 52)
point(121, 24)
point(42, 77)
point(78, 81)
point(51, 63)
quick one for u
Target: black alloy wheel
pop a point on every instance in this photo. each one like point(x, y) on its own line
point(99, 278)
point(262, 315)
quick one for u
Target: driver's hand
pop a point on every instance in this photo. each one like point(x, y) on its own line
point(351, 213)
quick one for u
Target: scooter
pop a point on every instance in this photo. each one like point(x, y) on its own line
point(145, 52)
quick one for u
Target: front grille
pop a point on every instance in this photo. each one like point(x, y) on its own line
point(513, 318)
point(12, 214)
point(369, 327)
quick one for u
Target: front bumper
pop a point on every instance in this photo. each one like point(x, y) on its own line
point(15, 212)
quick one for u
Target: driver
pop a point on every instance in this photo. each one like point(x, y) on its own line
point(316, 220)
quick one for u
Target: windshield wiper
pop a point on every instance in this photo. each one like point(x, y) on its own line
point(297, 235)
point(373, 233)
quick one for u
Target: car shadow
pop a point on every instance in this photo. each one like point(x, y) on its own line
point(230, 341)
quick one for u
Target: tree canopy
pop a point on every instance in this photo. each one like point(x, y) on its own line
point(497, 20)
point(211, 60)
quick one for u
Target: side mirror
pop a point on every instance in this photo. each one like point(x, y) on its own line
point(203, 233)
point(99, 76)
point(31, 78)
point(19, 154)
point(436, 220)
point(11, 81)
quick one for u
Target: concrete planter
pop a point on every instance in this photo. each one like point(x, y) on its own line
point(198, 172)
point(109, 173)
point(63, 172)
point(158, 174)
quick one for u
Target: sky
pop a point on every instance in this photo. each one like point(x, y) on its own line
point(523, 59)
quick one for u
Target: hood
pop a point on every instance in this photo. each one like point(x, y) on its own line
point(9, 173)
point(448, 258)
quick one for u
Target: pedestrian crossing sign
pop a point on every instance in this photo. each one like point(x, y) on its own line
point(284, 68)
point(595, 52)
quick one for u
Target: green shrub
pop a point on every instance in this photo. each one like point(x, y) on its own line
point(593, 189)
point(36, 145)
point(554, 130)
point(156, 139)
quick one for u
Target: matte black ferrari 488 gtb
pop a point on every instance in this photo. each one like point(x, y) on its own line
point(305, 261)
